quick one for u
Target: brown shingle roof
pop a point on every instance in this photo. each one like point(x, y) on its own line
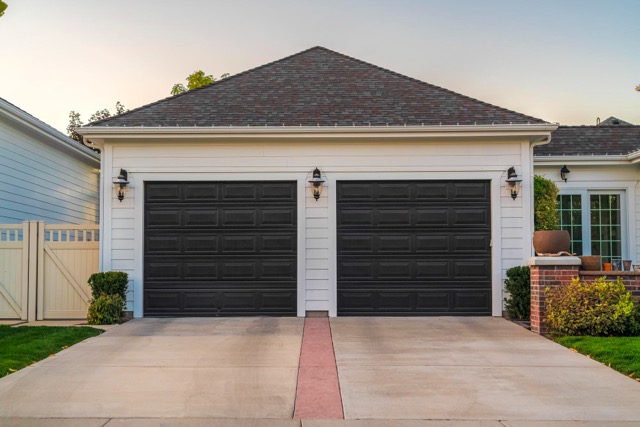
point(318, 87)
point(591, 140)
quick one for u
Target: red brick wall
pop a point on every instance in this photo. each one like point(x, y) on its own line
point(543, 276)
point(631, 279)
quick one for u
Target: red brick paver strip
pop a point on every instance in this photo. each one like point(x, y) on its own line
point(318, 393)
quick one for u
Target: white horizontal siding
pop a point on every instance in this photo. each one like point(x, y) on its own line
point(41, 183)
point(210, 161)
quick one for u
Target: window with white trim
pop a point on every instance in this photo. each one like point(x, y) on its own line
point(596, 222)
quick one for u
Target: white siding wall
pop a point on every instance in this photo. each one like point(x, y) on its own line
point(295, 160)
point(623, 178)
point(38, 182)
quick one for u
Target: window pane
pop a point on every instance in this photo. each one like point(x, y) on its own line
point(571, 219)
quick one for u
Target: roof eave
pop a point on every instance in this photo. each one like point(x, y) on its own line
point(52, 136)
point(535, 132)
point(585, 160)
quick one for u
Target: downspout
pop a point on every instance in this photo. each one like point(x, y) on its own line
point(547, 140)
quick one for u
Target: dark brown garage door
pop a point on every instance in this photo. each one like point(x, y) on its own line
point(414, 248)
point(220, 249)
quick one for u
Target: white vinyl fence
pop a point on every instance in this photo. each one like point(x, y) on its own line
point(44, 270)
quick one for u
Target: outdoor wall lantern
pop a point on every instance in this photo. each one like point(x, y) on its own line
point(563, 172)
point(513, 181)
point(316, 183)
point(121, 183)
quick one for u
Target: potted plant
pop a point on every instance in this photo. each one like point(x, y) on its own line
point(548, 239)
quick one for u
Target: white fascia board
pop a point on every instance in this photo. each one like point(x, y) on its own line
point(52, 137)
point(535, 132)
point(581, 160)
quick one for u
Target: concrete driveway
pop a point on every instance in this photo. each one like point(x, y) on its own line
point(198, 367)
point(461, 368)
point(392, 371)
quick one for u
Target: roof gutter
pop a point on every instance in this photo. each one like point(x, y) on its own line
point(585, 160)
point(634, 157)
point(28, 121)
point(536, 132)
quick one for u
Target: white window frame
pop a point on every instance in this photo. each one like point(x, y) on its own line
point(586, 217)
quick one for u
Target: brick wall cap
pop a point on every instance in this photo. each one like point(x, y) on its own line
point(555, 260)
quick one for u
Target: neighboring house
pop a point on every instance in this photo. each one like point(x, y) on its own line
point(45, 176)
point(415, 216)
point(600, 200)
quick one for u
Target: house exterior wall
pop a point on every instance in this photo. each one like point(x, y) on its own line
point(43, 180)
point(624, 178)
point(217, 160)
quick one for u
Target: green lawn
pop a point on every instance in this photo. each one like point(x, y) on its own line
point(22, 346)
point(621, 353)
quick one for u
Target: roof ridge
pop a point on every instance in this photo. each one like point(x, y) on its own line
point(226, 79)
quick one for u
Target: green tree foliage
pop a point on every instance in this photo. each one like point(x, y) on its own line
point(195, 80)
point(3, 7)
point(75, 121)
point(518, 284)
point(597, 308)
point(545, 200)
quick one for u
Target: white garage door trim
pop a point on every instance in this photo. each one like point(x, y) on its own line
point(496, 219)
point(137, 183)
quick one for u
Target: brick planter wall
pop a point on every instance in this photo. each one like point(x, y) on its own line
point(548, 272)
point(556, 271)
point(631, 279)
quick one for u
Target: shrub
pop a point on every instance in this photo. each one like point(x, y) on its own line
point(109, 283)
point(518, 284)
point(597, 308)
point(546, 210)
point(106, 310)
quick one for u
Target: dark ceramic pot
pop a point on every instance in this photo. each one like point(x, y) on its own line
point(551, 241)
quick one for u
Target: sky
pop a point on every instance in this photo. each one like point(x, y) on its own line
point(565, 61)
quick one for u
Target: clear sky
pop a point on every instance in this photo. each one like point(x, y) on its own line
point(567, 61)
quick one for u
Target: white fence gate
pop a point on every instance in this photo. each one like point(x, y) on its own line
point(44, 270)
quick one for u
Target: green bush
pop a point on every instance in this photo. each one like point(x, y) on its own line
point(518, 284)
point(545, 200)
point(109, 283)
point(106, 310)
point(597, 308)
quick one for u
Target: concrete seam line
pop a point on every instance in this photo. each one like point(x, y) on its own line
point(295, 396)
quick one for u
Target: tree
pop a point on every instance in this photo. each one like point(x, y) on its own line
point(195, 80)
point(3, 7)
point(75, 121)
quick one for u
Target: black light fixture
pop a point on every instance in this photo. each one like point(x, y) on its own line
point(563, 172)
point(513, 181)
point(121, 183)
point(316, 183)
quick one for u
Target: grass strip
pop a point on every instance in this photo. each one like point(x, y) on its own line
point(620, 353)
point(24, 345)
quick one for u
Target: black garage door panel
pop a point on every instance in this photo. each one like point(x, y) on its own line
point(220, 248)
point(414, 248)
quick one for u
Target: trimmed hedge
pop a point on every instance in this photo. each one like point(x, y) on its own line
point(108, 291)
point(518, 284)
